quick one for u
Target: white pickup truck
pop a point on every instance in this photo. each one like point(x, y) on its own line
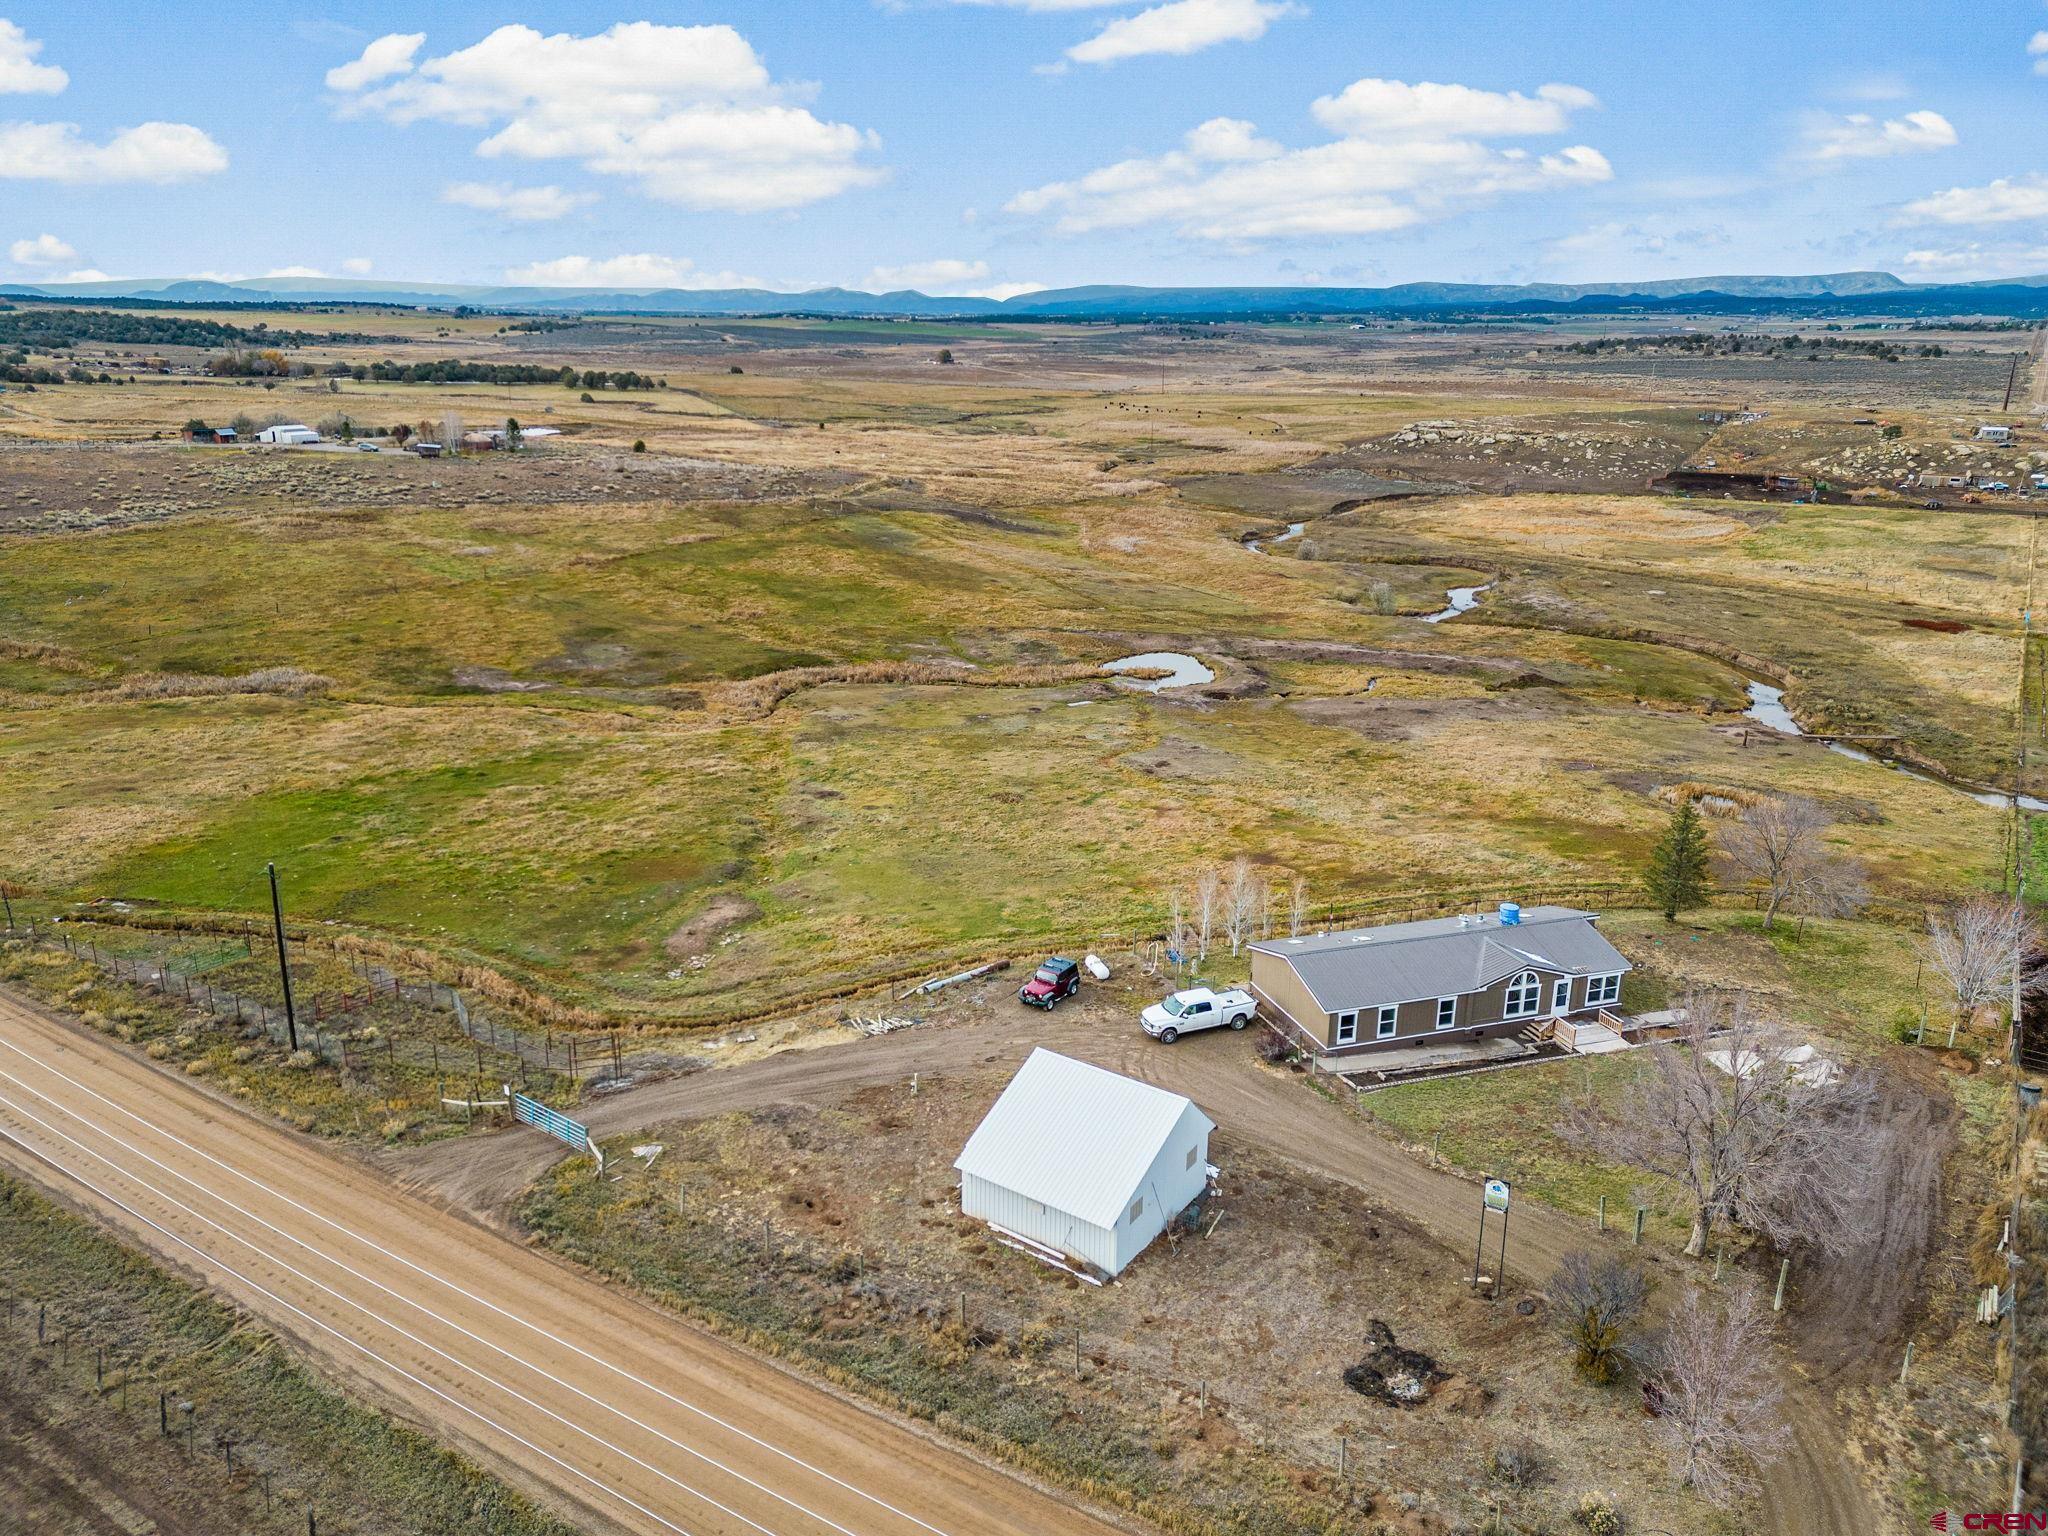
point(1198, 1008)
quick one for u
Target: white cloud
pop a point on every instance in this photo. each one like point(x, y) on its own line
point(2037, 49)
point(689, 114)
point(86, 275)
point(525, 205)
point(1043, 5)
point(1182, 27)
point(1395, 109)
point(386, 56)
point(162, 153)
point(20, 74)
point(641, 271)
point(945, 277)
point(2005, 201)
point(295, 272)
point(1860, 136)
point(1406, 155)
point(1969, 262)
point(357, 266)
point(42, 251)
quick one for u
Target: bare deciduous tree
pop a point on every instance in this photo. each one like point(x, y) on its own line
point(1208, 894)
point(1243, 896)
point(1777, 843)
point(1830, 886)
point(1297, 907)
point(1981, 946)
point(1596, 1301)
point(1721, 1409)
point(1761, 1139)
point(1177, 935)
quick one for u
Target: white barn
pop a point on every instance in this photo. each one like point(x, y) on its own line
point(290, 432)
point(1084, 1161)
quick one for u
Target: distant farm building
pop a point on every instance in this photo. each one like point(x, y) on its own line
point(198, 434)
point(1989, 433)
point(1084, 1163)
point(1446, 978)
point(290, 433)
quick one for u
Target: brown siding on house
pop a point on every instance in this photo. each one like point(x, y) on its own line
point(1281, 991)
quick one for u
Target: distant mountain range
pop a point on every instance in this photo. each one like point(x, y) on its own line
point(1835, 292)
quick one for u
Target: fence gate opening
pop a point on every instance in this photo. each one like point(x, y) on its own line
point(529, 1111)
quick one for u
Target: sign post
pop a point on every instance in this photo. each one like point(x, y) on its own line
point(1493, 1196)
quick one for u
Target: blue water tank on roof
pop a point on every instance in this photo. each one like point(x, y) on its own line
point(1510, 914)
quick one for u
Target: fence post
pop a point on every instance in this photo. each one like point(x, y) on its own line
point(1639, 1226)
point(1600, 1221)
point(1778, 1301)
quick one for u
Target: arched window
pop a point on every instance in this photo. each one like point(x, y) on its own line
point(1525, 995)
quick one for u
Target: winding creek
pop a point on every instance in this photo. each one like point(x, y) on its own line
point(1767, 708)
point(1766, 700)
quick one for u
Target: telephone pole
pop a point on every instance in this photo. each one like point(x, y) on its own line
point(284, 968)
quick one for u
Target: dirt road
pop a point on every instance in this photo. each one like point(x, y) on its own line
point(632, 1418)
point(1809, 1491)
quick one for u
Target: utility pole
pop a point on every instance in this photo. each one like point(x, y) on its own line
point(9, 905)
point(2011, 379)
point(284, 967)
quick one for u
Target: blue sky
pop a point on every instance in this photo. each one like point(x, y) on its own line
point(987, 145)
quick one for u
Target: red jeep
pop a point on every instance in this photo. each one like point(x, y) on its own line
point(1053, 981)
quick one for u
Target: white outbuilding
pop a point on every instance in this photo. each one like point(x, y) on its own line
point(1084, 1161)
point(290, 432)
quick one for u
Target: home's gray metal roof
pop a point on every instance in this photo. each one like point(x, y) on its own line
point(1442, 956)
point(1074, 1137)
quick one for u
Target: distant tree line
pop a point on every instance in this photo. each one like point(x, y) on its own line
point(54, 330)
point(1735, 343)
point(456, 371)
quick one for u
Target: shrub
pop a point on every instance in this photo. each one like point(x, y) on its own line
point(200, 1067)
point(1597, 1516)
point(243, 1054)
point(1517, 1463)
point(302, 1061)
point(157, 1050)
point(1597, 1302)
point(639, 445)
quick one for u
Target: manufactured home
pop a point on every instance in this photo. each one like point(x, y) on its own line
point(1447, 978)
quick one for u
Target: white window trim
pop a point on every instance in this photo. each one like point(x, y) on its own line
point(1452, 1021)
point(1603, 990)
point(1347, 1029)
point(1388, 1021)
point(1535, 1006)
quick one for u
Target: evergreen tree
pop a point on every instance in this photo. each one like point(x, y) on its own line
point(1677, 874)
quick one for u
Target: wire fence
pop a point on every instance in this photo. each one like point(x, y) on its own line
point(351, 1029)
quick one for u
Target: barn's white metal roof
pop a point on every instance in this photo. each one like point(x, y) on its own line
point(1074, 1137)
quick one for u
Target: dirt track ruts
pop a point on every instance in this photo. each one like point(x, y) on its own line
point(1810, 1491)
point(625, 1414)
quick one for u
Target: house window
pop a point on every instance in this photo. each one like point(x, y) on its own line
point(1191, 1157)
point(1561, 995)
point(1525, 996)
point(1446, 1012)
point(1603, 989)
point(1137, 1207)
point(1347, 1028)
point(1388, 1015)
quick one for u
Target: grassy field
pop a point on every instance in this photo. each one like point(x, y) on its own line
point(536, 711)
